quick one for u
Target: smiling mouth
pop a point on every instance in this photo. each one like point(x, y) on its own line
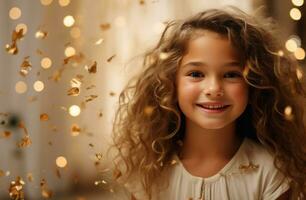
point(213, 107)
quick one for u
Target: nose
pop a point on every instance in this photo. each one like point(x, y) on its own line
point(213, 88)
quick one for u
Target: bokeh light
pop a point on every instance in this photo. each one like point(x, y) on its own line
point(74, 110)
point(69, 51)
point(45, 2)
point(63, 3)
point(299, 53)
point(21, 87)
point(22, 26)
point(38, 86)
point(46, 63)
point(295, 14)
point(61, 161)
point(291, 45)
point(297, 2)
point(68, 21)
point(15, 13)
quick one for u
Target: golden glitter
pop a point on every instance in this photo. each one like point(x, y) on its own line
point(74, 110)
point(25, 142)
point(44, 117)
point(6, 134)
point(78, 58)
point(16, 189)
point(173, 162)
point(75, 130)
point(23, 27)
point(57, 74)
point(15, 13)
point(90, 98)
point(12, 48)
point(111, 58)
point(41, 34)
point(25, 66)
point(21, 87)
point(112, 93)
point(295, 14)
point(99, 156)
point(299, 53)
point(61, 161)
point(75, 32)
point(92, 69)
point(291, 45)
point(46, 2)
point(63, 3)
point(105, 26)
point(90, 87)
point(297, 2)
point(248, 168)
point(299, 73)
point(38, 86)
point(74, 91)
point(76, 82)
point(68, 21)
point(98, 42)
point(70, 51)
point(46, 63)
point(30, 177)
point(46, 193)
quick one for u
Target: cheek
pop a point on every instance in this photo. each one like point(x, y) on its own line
point(240, 93)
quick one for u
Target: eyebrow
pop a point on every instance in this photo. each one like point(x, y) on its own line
point(199, 64)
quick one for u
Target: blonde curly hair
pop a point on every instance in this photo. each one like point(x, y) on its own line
point(149, 125)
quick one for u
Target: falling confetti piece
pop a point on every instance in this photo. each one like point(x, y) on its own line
point(91, 145)
point(6, 134)
point(99, 156)
point(12, 48)
point(1, 173)
point(74, 91)
point(92, 69)
point(75, 130)
point(105, 26)
point(44, 117)
point(41, 34)
point(90, 87)
point(25, 142)
point(77, 58)
point(16, 189)
point(173, 162)
point(98, 42)
point(45, 191)
point(90, 98)
point(112, 94)
point(25, 66)
point(111, 58)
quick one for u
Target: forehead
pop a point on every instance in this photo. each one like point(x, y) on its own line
point(210, 46)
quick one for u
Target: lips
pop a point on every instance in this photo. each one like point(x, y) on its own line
point(213, 106)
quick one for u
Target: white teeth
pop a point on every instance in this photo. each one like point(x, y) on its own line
point(214, 107)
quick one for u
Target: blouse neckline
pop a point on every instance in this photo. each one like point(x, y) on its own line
point(221, 172)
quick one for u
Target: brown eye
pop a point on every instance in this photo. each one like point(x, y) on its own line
point(196, 74)
point(233, 75)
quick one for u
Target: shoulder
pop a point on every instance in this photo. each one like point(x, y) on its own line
point(272, 182)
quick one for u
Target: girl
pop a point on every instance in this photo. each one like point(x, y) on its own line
point(217, 113)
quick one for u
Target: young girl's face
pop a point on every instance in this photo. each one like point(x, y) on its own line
point(211, 89)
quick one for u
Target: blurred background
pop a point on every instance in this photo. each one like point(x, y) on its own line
point(63, 64)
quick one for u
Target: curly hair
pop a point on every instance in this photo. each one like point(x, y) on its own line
point(149, 125)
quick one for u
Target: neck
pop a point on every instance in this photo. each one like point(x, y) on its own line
point(208, 144)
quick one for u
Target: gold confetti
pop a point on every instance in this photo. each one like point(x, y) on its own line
point(12, 48)
point(6, 134)
point(90, 87)
point(90, 98)
point(112, 93)
point(105, 26)
point(99, 156)
point(25, 142)
point(1, 173)
point(111, 58)
point(98, 42)
point(75, 130)
point(44, 117)
point(91, 145)
point(92, 69)
point(25, 66)
point(77, 58)
point(41, 34)
point(45, 191)
point(57, 74)
point(76, 82)
point(16, 189)
point(173, 162)
point(248, 168)
point(74, 91)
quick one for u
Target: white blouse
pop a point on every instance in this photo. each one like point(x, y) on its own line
point(250, 175)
